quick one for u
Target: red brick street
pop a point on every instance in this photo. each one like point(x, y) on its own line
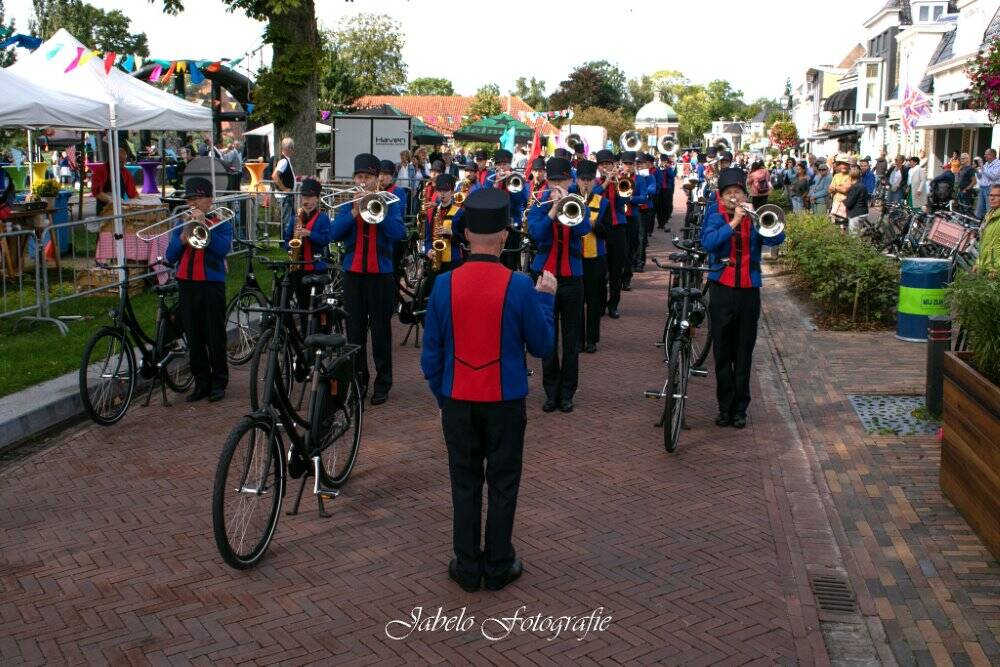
point(704, 556)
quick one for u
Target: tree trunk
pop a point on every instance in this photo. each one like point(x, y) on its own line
point(299, 26)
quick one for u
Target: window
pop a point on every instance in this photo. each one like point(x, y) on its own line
point(870, 101)
point(871, 46)
point(924, 13)
point(871, 71)
point(937, 12)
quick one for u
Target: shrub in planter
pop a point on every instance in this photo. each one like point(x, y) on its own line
point(47, 188)
point(975, 300)
point(849, 278)
point(779, 197)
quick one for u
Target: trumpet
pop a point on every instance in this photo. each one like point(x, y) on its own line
point(201, 232)
point(569, 208)
point(630, 140)
point(373, 206)
point(513, 179)
point(769, 219)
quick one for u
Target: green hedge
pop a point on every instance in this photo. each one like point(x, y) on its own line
point(975, 299)
point(849, 278)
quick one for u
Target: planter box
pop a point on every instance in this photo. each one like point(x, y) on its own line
point(970, 449)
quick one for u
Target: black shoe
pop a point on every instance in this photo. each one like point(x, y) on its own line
point(379, 397)
point(626, 287)
point(723, 419)
point(197, 395)
point(639, 269)
point(566, 405)
point(591, 348)
point(740, 421)
point(613, 313)
point(515, 571)
point(216, 395)
point(453, 573)
point(549, 405)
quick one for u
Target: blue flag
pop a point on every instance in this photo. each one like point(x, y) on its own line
point(507, 139)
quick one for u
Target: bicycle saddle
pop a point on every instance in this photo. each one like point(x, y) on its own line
point(169, 288)
point(317, 280)
point(681, 292)
point(330, 341)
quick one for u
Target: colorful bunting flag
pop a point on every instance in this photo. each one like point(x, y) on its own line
point(170, 73)
point(87, 55)
point(154, 76)
point(52, 54)
point(109, 61)
point(250, 108)
point(129, 64)
point(76, 61)
point(234, 63)
point(325, 115)
point(196, 76)
point(214, 67)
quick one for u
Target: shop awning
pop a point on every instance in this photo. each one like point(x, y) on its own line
point(842, 100)
point(953, 120)
point(843, 132)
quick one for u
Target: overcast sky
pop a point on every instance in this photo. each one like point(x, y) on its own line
point(473, 45)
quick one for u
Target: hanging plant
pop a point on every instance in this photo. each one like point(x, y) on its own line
point(984, 79)
point(783, 135)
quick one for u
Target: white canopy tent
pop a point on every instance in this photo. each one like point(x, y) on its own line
point(25, 104)
point(268, 131)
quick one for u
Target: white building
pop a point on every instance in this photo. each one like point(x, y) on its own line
point(656, 119)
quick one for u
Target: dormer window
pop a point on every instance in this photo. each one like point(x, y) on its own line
point(929, 11)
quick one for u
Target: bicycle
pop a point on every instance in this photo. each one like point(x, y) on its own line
point(108, 373)
point(700, 319)
point(238, 316)
point(254, 466)
point(679, 368)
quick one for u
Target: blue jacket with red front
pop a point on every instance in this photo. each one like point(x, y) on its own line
point(518, 201)
point(721, 242)
point(665, 179)
point(368, 248)
point(645, 190)
point(207, 264)
point(560, 248)
point(480, 318)
point(314, 245)
point(616, 205)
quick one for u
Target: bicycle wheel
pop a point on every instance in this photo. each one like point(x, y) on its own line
point(667, 337)
point(246, 498)
point(247, 325)
point(674, 390)
point(107, 376)
point(338, 435)
point(701, 336)
point(177, 369)
point(291, 385)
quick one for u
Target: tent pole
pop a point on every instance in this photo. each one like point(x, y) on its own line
point(81, 166)
point(163, 165)
point(114, 171)
point(31, 165)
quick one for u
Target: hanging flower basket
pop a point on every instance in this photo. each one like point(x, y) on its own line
point(984, 79)
point(783, 135)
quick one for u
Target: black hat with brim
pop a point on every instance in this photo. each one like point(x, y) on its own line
point(502, 155)
point(732, 176)
point(538, 163)
point(387, 167)
point(628, 157)
point(558, 168)
point(366, 163)
point(563, 153)
point(604, 155)
point(196, 186)
point(487, 211)
point(480, 155)
point(586, 169)
point(444, 182)
point(310, 187)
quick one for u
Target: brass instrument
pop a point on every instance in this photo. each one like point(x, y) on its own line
point(514, 181)
point(463, 189)
point(575, 141)
point(769, 219)
point(667, 145)
point(630, 140)
point(295, 243)
point(373, 206)
point(200, 234)
point(438, 244)
point(569, 208)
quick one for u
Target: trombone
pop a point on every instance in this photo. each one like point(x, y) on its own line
point(373, 206)
point(569, 208)
point(201, 232)
point(513, 179)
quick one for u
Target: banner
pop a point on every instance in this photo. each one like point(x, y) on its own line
point(533, 116)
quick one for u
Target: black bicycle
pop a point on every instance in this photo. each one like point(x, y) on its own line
point(679, 366)
point(108, 372)
point(254, 466)
point(699, 319)
point(239, 316)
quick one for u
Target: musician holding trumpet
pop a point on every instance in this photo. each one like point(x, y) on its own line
point(557, 223)
point(201, 289)
point(308, 236)
point(730, 233)
point(511, 182)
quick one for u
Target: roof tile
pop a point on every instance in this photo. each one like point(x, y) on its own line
point(444, 112)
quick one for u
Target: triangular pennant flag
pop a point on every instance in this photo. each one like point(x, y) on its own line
point(155, 74)
point(170, 73)
point(234, 63)
point(214, 67)
point(109, 61)
point(324, 114)
point(182, 66)
point(129, 64)
point(196, 76)
point(87, 56)
point(76, 61)
point(52, 54)
point(250, 108)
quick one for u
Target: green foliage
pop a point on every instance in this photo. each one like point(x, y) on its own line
point(338, 87)
point(784, 135)
point(615, 123)
point(292, 72)
point(848, 277)
point(975, 299)
point(46, 188)
point(7, 56)
point(371, 48)
point(594, 84)
point(532, 92)
point(486, 102)
point(429, 85)
point(98, 29)
point(778, 197)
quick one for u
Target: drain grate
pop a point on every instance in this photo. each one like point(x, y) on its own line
point(890, 414)
point(833, 594)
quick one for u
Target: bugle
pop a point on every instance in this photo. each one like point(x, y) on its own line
point(372, 206)
point(201, 232)
point(769, 219)
point(569, 208)
point(513, 179)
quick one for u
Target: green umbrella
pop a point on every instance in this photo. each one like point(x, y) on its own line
point(490, 129)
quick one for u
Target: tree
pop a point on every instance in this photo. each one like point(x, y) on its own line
point(7, 56)
point(486, 102)
point(693, 115)
point(104, 31)
point(286, 92)
point(338, 86)
point(371, 45)
point(724, 100)
point(429, 85)
point(612, 121)
point(593, 84)
point(532, 92)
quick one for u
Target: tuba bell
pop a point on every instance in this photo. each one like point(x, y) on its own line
point(630, 140)
point(574, 141)
point(667, 145)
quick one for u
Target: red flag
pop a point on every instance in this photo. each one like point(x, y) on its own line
point(536, 150)
point(109, 61)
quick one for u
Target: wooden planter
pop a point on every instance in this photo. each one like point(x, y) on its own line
point(970, 450)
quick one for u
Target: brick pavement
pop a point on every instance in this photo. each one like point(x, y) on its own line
point(917, 567)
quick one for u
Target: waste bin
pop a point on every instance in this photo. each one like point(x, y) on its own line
point(921, 294)
point(62, 216)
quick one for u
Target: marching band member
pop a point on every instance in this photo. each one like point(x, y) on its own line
point(518, 201)
point(734, 295)
point(447, 215)
point(537, 181)
point(666, 175)
point(647, 183)
point(312, 227)
point(201, 292)
point(595, 268)
point(559, 252)
point(617, 241)
point(369, 285)
point(481, 320)
point(481, 168)
point(387, 183)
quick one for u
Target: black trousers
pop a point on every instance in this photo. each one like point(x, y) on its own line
point(478, 433)
point(370, 299)
point(647, 218)
point(202, 307)
point(617, 244)
point(302, 296)
point(735, 312)
point(560, 375)
point(664, 207)
point(511, 256)
point(632, 248)
point(595, 297)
